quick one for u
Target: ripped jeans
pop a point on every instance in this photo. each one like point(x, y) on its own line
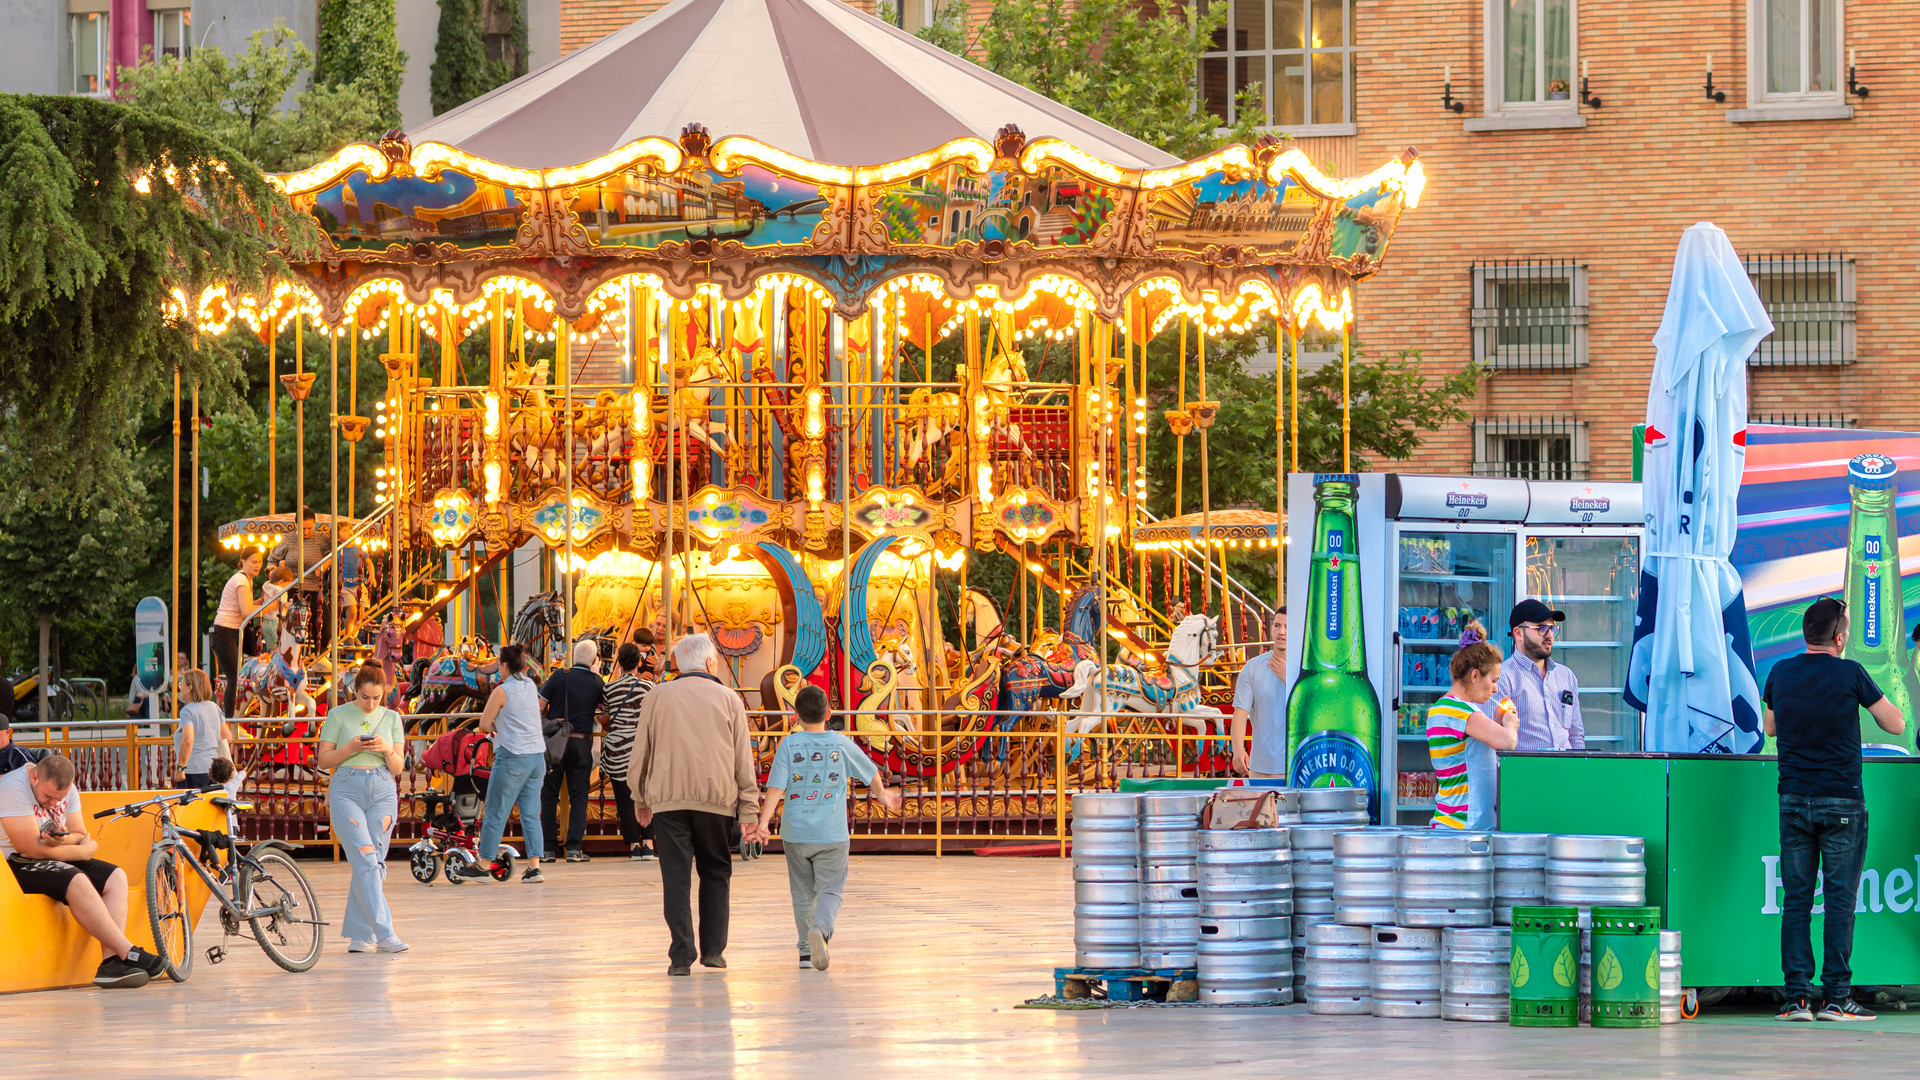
point(361, 804)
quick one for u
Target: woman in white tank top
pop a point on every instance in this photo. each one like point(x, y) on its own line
point(236, 603)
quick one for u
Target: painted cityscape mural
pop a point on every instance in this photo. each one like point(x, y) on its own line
point(757, 207)
point(1251, 213)
point(360, 213)
point(953, 204)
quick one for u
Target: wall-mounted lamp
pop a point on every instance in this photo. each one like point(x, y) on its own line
point(1854, 86)
point(1586, 98)
point(1447, 100)
point(1712, 94)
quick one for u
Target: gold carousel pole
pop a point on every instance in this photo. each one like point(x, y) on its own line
point(1279, 465)
point(1180, 430)
point(1293, 347)
point(194, 591)
point(273, 414)
point(563, 356)
point(333, 512)
point(299, 447)
point(667, 336)
point(173, 613)
point(1206, 480)
point(1346, 398)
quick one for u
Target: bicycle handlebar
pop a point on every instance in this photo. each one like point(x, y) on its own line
point(182, 798)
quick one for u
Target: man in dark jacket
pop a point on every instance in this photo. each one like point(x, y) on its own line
point(574, 695)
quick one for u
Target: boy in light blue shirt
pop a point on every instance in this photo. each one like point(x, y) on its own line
point(811, 768)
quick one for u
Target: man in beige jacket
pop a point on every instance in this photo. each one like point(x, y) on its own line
point(692, 775)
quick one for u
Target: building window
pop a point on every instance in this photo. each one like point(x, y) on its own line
point(1810, 299)
point(1294, 56)
point(1529, 314)
point(87, 35)
point(1796, 48)
point(172, 34)
point(1530, 46)
point(1531, 448)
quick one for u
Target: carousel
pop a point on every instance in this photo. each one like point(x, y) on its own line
point(769, 321)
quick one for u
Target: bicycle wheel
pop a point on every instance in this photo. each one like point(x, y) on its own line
point(168, 912)
point(291, 935)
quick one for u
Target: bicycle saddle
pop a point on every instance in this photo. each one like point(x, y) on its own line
point(224, 803)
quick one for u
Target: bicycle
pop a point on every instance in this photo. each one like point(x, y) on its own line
point(260, 886)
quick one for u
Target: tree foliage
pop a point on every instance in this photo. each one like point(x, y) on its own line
point(1124, 64)
point(359, 46)
point(236, 100)
point(108, 210)
point(462, 68)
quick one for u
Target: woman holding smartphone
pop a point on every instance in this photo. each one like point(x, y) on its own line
point(361, 742)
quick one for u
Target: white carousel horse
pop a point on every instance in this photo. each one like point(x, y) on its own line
point(1195, 644)
point(930, 418)
point(695, 369)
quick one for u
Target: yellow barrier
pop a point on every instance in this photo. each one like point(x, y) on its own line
point(42, 948)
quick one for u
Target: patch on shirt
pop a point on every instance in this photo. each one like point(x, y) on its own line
point(798, 757)
point(817, 756)
point(833, 756)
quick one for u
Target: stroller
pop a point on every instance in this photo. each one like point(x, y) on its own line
point(452, 817)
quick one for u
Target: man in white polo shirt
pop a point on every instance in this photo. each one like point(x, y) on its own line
point(1260, 696)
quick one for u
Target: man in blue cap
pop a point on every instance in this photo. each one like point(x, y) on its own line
point(1546, 694)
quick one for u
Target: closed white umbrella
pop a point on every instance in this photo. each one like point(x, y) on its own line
point(1691, 670)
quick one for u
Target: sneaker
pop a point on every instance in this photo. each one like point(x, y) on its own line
point(467, 871)
point(576, 855)
point(647, 855)
point(713, 961)
point(1795, 1009)
point(549, 858)
point(638, 854)
point(147, 962)
point(817, 942)
point(360, 946)
point(532, 876)
point(806, 962)
point(392, 944)
point(679, 969)
point(1845, 1011)
point(117, 974)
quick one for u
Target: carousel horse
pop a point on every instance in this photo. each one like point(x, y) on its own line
point(531, 434)
point(1196, 643)
point(468, 674)
point(929, 419)
point(696, 367)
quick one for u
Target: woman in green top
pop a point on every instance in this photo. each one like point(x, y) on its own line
point(362, 743)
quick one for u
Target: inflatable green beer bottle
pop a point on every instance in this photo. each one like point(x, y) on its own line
point(1333, 715)
point(1876, 605)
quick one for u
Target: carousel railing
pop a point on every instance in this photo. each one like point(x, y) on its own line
point(969, 779)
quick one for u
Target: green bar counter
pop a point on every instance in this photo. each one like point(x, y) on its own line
point(1711, 824)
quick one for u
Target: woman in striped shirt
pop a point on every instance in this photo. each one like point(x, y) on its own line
point(1462, 740)
point(624, 697)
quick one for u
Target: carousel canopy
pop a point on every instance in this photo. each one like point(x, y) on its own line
point(1225, 528)
point(815, 78)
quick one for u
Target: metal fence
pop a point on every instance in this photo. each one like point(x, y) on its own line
point(1819, 420)
point(998, 777)
point(1531, 448)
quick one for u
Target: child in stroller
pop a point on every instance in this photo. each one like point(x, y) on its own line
point(465, 757)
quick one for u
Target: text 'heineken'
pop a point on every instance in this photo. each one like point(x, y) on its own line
point(1333, 715)
point(1876, 605)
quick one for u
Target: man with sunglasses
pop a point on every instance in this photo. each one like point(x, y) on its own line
point(1546, 694)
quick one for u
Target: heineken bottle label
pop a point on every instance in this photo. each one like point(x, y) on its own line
point(1870, 598)
point(1336, 613)
point(1332, 759)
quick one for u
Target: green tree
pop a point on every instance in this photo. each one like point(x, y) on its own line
point(1118, 62)
point(236, 100)
point(105, 212)
point(464, 67)
point(71, 562)
point(359, 45)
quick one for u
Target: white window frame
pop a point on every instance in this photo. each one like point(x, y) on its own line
point(1486, 432)
point(1788, 353)
point(1495, 20)
point(1757, 59)
point(104, 59)
point(184, 16)
point(1486, 347)
point(1345, 125)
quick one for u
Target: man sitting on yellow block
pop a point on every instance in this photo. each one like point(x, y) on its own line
point(47, 847)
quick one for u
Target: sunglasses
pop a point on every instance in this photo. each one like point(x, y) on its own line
point(1543, 629)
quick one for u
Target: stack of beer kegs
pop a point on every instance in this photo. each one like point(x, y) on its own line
point(1519, 873)
point(1106, 880)
point(1169, 879)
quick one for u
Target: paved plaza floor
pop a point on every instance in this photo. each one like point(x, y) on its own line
point(932, 956)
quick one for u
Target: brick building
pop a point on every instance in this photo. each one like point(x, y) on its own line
point(1544, 241)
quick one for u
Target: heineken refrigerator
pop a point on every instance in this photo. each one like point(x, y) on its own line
point(1421, 557)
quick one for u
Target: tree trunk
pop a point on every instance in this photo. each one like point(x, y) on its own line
point(46, 632)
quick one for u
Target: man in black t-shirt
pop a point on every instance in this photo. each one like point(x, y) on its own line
point(1813, 708)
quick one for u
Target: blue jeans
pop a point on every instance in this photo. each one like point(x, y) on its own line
point(361, 804)
point(1827, 837)
point(516, 781)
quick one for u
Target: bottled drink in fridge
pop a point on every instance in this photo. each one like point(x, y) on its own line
point(1876, 605)
point(1333, 715)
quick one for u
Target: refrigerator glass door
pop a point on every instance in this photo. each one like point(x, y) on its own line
point(1445, 578)
point(1595, 579)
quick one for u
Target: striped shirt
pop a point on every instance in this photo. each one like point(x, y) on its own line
point(624, 696)
point(1447, 743)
